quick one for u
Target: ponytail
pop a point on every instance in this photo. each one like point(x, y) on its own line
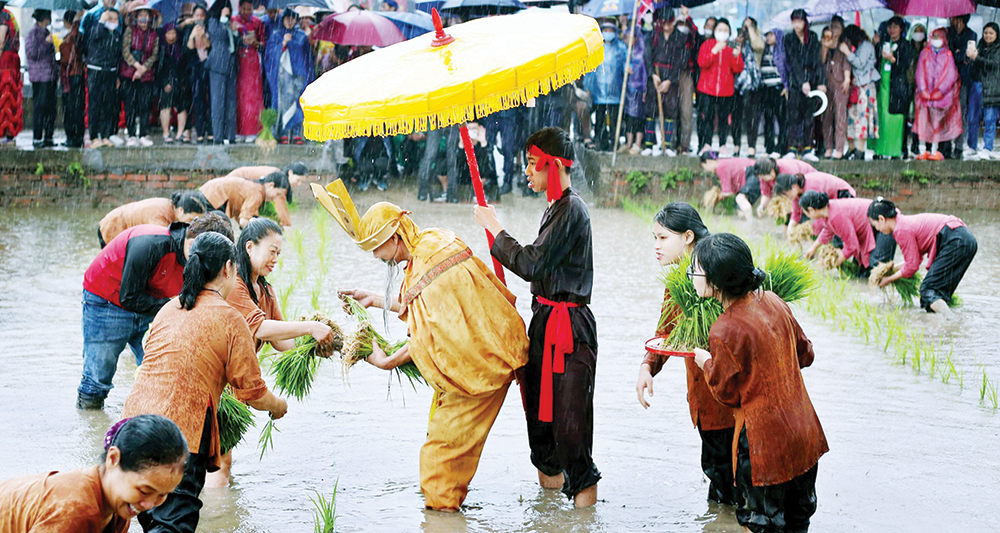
point(728, 265)
point(209, 254)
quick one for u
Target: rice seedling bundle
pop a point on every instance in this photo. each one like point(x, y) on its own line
point(907, 288)
point(788, 276)
point(801, 234)
point(779, 207)
point(827, 256)
point(295, 369)
point(358, 346)
point(267, 210)
point(711, 197)
point(234, 419)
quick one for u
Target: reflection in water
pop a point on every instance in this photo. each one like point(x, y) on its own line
point(907, 452)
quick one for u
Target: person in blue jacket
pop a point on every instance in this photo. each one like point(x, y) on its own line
point(221, 66)
point(605, 85)
point(288, 64)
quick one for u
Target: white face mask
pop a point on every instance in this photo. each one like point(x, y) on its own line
point(111, 26)
point(919, 37)
point(721, 36)
point(224, 20)
point(706, 32)
point(683, 28)
point(937, 43)
point(609, 36)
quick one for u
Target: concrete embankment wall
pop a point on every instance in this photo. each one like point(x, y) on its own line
point(110, 176)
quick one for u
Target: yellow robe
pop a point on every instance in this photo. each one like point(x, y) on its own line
point(467, 339)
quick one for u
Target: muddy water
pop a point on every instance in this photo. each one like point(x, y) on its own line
point(907, 452)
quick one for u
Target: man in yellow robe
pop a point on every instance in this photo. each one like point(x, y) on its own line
point(466, 338)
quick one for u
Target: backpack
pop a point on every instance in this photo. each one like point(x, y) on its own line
point(749, 79)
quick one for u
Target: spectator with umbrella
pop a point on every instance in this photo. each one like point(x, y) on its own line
point(250, 44)
point(288, 61)
point(71, 75)
point(43, 73)
point(895, 91)
point(140, 54)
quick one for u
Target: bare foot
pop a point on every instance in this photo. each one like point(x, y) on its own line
point(551, 482)
point(941, 307)
point(586, 497)
point(220, 478)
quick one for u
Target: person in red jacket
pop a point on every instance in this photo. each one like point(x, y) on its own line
point(124, 287)
point(719, 66)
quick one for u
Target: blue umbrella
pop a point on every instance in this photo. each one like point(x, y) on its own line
point(481, 8)
point(411, 24)
point(51, 5)
point(607, 8)
point(428, 5)
point(170, 10)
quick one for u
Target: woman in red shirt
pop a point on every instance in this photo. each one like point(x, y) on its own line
point(944, 239)
point(719, 65)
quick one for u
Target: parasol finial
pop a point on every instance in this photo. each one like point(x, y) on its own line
point(440, 37)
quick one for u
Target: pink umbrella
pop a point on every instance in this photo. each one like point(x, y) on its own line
point(358, 28)
point(932, 8)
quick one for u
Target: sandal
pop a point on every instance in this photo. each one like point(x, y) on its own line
point(168, 140)
point(588, 144)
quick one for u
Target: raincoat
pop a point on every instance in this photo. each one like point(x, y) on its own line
point(938, 117)
point(605, 83)
point(289, 68)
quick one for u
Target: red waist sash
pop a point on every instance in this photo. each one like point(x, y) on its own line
point(558, 343)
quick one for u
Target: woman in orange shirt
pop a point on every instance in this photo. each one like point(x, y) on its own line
point(197, 346)
point(180, 207)
point(242, 199)
point(143, 462)
point(756, 371)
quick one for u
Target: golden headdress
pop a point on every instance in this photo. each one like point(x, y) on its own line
point(379, 223)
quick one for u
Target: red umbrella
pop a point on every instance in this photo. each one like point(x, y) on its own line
point(932, 8)
point(358, 28)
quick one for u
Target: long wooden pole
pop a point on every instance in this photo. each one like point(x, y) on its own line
point(477, 185)
point(628, 63)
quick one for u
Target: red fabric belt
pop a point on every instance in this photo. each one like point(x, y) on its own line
point(558, 343)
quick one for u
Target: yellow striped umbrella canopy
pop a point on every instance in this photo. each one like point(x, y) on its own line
point(493, 64)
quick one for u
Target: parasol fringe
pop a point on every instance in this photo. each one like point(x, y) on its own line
point(390, 126)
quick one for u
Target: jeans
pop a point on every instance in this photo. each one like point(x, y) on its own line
point(107, 329)
point(974, 115)
point(990, 117)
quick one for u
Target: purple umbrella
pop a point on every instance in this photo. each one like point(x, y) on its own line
point(932, 8)
point(358, 28)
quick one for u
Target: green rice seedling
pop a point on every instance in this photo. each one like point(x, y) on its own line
point(992, 394)
point(234, 419)
point(690, 327)
point(284, 293)
point(267, 210)
point(298, 240)
point(316, 294)
point(955, 301)
point(266, 440)
point(788, 275)
point(358, 346)
point(325, 511)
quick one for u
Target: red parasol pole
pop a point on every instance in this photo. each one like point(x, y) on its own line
point(477, 184)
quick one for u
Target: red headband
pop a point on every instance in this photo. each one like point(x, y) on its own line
point(552, 192)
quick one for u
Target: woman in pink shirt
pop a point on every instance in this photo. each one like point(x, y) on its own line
point(732, 172)
point(944, 239)
point(792, 187)
point(847, 219)
point(760, 181)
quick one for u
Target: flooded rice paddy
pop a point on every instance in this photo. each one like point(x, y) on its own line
point(907, 452)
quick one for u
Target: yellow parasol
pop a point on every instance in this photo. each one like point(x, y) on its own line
point(439, 79)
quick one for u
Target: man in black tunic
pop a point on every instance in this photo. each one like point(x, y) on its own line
point(557, 384)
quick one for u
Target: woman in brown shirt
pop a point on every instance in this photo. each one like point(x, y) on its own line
point(257, 253)
point(143, 462)
point(197, 346)
point(180, 207)
point(676, 230)
point(756, 351)
point(296, 172)
point(242, 199)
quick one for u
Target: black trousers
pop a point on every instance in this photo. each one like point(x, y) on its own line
point(605, 116)
point(712, 109)
point(104, 103)
point(563, 445)
point(138, 97)
point(955, 250)
point(773, 111)
point(717, 464)
point(44, 97)
point(800, 120)
point(746, 117)
point(182, 508)
point(786, 507)
point(201, 117)
point(74, 104)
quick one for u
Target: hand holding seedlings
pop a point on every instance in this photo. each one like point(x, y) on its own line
point(384, 361)
point(365, 298)
point(700, 357)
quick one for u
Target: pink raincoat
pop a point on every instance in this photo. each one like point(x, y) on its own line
point(938, 117)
